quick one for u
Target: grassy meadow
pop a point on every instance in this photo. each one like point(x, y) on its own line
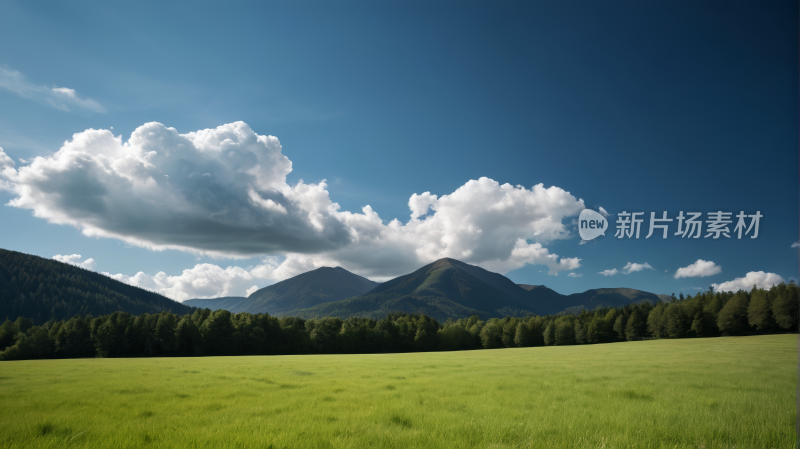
point(731, 392)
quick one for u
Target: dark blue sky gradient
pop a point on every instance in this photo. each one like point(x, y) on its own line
point(637, 106)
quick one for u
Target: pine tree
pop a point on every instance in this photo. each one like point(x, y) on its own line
point(759, 312)
point(635, 327)
point(732, 319)
point(8, 331)
point(655, 322)
point(580, 334)
point(565, 333)
point(676, 323)
point(785, 307)
point(619, 326)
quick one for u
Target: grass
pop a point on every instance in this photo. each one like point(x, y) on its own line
point(735, 392)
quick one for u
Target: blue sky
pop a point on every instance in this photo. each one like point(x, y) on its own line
point(667, 106)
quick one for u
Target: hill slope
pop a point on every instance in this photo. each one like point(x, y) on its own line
point(450, 288)
point(228, 303)
point(444, 289)
point(550, 302)
point(40, 289)
point(611, 297)
point(302, 291)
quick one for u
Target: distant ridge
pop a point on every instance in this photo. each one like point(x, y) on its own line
point(225, 302)
point(449, 288)
point(305, 290)
point(41, 289)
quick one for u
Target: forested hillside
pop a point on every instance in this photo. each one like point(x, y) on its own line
point(325, 284)
point(45, 289)
point(443, 289)
point(449, 288)
point(119, 334)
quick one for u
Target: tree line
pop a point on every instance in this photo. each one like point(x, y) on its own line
point(206, 332)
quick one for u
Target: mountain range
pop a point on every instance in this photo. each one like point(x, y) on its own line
point(447, 288)
point(309, 289)
point(43, 289)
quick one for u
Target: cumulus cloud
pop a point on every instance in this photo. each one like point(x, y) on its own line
point(58, 97)
point(223, 192)
point(574, 275)
point(610, 272)
point(75, 259)
point(203, 281)
point(757, 278)
point(634, 267)
point(701, 268)
point(796, 245)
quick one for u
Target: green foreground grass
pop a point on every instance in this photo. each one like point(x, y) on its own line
point(693, 393)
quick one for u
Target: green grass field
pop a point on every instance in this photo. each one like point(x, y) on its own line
point(734, 392)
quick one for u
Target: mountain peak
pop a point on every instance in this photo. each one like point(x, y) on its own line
point(323, 284)
point(443, 263)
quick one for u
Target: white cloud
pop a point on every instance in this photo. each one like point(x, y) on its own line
point(796, 245)
point(634, 267)
point(59, 97)
point(575, 275)
point(212, 281)
point(74, 259)
point(758, 278)
point(223, 192)
point(701, 268)
point(610, 272)
point(203, 281)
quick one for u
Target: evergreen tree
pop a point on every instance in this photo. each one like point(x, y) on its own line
point(8, 331)
point(165, 332)
point(655, 322)
point(217, 331)
point(104, 337)
point(33, 344)
point(676, 322)
point(759, 312)
point(619, 326)
point(565, 333)
point(536, 325)
point(698, 325)
point(732, 319)
point(635, 328)
point(187, 337)
point(785, 307)
point(580, 334)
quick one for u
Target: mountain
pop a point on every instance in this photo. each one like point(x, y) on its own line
point(449, 288)
point(444, 289)
point(552, 302)
point(306, 290)
point(226, 302)
point(610, 297)
point(40, 289)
